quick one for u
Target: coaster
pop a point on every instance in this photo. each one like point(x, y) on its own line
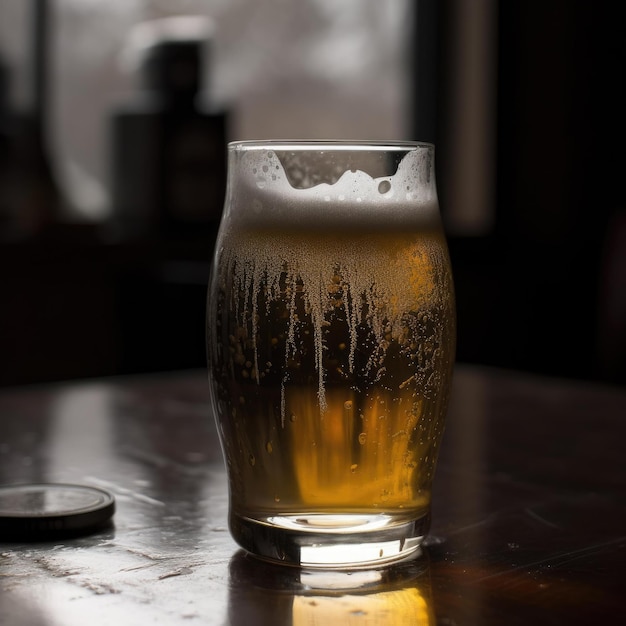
point(41, 511)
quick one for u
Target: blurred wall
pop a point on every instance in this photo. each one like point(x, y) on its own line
point(535, 133)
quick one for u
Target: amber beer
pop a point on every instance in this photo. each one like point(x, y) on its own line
point(331, 349)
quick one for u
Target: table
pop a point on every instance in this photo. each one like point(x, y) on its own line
point(529, 514)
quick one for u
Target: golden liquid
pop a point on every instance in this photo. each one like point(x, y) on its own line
point(331, 358)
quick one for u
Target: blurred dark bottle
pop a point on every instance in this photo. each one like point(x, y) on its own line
point(168, 146)
point(30, 199)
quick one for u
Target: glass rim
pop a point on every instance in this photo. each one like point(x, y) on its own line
point(331, 144)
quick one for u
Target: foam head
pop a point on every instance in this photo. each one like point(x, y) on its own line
point(331, 185)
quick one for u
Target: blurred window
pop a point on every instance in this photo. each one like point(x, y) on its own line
point(286, 69)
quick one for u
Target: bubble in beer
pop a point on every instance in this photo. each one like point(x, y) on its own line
point(384, 186)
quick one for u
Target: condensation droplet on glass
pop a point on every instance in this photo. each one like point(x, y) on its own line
point(347, 405)
point(252, 460)
point(268, 447)
point(292, 418)
point(362, 438)
point(384, 186)
point(276, 499)
point(327, 198)
point(353, 467)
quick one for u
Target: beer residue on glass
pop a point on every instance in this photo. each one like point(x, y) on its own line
point(345, 259)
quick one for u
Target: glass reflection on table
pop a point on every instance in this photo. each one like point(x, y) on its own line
point(265, 593)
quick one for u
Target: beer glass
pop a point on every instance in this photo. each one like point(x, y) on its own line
point(331, 333)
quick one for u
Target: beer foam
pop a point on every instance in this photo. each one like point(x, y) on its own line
point(278, 191)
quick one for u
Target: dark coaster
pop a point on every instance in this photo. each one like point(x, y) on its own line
point(44, 511)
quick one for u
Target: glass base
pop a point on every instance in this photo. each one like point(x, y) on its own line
point(330, 541)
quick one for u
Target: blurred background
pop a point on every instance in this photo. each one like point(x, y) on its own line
point(114, 118)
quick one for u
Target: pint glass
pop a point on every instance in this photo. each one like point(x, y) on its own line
point(331, 333)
